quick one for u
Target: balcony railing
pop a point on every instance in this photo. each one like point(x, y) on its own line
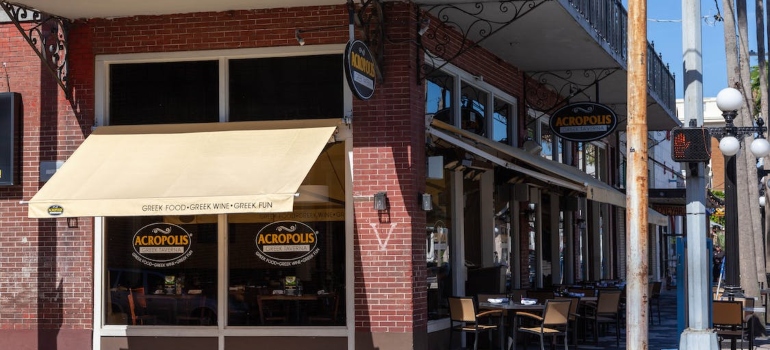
point(610, 21)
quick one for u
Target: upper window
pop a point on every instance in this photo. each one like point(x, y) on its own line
point(451, 87)
point(162, 93)
point(304, 87)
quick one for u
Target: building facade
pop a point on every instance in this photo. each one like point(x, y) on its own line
point(220, 175)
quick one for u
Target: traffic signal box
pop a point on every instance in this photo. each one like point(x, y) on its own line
point(690, 145)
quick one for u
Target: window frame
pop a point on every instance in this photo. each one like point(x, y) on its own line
point(221, 330)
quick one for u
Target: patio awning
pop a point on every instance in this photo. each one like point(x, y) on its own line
point(185, 169)
point(543, 169)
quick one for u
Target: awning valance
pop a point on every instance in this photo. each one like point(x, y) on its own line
point(185, 169)
point(567, 176)
point(548, 171)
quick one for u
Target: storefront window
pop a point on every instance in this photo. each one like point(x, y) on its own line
point(502, 122)
point(166, 270)
point(161, 271)
point(438, 96)
point(286, 272)
point(438, 232)
point(473, 110)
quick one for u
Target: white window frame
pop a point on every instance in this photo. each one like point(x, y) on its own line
point(101, 111)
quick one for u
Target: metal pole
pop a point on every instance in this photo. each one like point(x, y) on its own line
point(732, 252)
point(697, 296)
point(637, 191)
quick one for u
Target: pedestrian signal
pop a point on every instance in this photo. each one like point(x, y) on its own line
point(690, 145)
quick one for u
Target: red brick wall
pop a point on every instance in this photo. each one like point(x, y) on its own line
point(45, 266)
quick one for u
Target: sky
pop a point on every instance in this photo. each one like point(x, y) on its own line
point(664, 30)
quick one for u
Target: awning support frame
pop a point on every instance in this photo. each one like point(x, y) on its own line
point(47, 37)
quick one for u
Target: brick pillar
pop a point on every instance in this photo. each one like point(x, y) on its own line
point(389, 156)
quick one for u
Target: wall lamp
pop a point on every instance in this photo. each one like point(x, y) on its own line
point(380, 201)
point(300, 39)
point(424, 26)
point(426, 201)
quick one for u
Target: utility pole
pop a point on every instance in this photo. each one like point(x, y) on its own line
point(697, 335)
point(637, 182)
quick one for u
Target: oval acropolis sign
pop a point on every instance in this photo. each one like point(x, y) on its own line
point(162, 244)
point(286, 243)
point(583, 121)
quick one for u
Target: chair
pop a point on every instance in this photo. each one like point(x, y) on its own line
point(540, 295)
point(193, 310)
point(329, 308)
point(728, 321)
point(654, 290)
point(605, 311)
point(137, 305)
point(464, 317)
point(573, 315)
point(553, 323)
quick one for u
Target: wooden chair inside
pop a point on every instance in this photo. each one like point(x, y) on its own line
point(540, 295)
point(194, 308)
point(137, 304)
point(329, 307)
point(464, 318)
point(553, 323)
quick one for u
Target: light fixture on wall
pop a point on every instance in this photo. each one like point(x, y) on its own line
point(531, 146)
point(426, 201)
point(300, 39)
point(424, 26)
point(380, 201)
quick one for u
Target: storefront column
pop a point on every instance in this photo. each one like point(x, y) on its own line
point(487, 218)
point(556, 239)
point(594, 237)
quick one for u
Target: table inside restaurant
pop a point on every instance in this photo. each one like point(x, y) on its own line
point(174, 307)
point(291, 299)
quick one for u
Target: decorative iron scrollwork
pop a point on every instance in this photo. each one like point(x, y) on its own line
point(47, 36)
point(473, 21)
point(545, 91)
point(370, 19)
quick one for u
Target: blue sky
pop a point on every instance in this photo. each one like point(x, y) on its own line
point(664, 29)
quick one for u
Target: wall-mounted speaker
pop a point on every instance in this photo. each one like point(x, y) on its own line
point(10, 117)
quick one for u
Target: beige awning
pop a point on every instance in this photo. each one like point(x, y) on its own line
point(568, 176)
point(552, 172)
point(185, 169)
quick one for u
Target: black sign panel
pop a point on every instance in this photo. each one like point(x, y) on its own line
point(10, 112)
point(583, 121)
point(360, 69)
point(286, 243)
point(162, 245)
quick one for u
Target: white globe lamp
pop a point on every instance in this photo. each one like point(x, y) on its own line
point(729, 146)
point(729, 99)
point(760, 147)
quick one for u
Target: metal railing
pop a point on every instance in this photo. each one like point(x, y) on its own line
point(610, 21)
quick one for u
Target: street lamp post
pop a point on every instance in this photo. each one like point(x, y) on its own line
point(729, 100)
